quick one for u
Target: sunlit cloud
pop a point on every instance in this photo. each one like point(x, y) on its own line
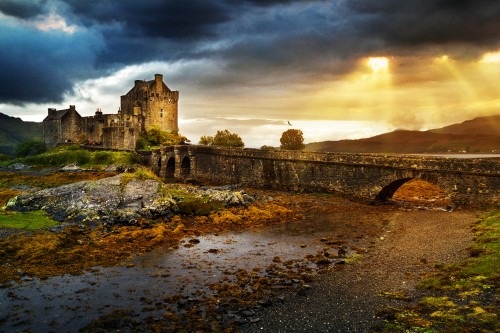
point(491, 57)
point(53, 21)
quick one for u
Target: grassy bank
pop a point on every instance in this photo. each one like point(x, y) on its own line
point(65, 155)
point(463, 297)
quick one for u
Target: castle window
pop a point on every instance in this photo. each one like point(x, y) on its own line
point(161, 113)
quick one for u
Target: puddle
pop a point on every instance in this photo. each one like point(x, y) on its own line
point(68, 303)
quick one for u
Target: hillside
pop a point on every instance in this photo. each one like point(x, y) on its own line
point(14, 130)
point(481, 125)
point(479, 135)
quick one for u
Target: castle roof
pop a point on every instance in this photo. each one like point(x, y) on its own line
point(151, 84)
point(57, 115)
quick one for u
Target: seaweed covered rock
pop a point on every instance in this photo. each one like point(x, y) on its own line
point(228, 196)
point(107, 200)
point(121, 200)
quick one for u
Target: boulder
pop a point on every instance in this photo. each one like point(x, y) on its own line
point(115, 200)
point(107, 200)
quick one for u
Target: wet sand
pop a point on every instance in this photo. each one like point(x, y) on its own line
point(346, 300)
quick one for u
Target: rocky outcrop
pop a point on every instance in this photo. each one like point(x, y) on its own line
point(116, 200)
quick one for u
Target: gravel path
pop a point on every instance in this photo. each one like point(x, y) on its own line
point(347, 301)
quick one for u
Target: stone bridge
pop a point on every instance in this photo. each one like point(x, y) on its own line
point(369, 177)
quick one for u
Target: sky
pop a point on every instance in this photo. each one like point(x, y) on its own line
point(338, 69)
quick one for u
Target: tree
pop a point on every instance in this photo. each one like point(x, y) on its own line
point(206, 140)
point(292, 139)
point(154, 136)
point(30, 147)
point(223, 138)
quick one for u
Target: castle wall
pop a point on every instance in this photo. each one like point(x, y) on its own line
point(93, 126)
point(120, 137)
point(52, 132)
point(71, 126)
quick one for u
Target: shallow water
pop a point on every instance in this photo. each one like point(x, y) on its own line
point(68, 303)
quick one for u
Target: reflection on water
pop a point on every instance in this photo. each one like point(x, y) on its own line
point(70, 302)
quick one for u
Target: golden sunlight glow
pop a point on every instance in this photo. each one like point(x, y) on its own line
point(491, 57)
point(443, 58)
point(378, 64)
point(460, 78)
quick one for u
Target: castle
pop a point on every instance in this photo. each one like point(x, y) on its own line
point(148, 103)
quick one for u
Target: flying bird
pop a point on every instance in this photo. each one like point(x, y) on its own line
point(289, 123)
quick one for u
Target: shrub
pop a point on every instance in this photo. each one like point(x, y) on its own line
point(154, 136)
point(30, 147)
point(102, 157)
point(223, 138)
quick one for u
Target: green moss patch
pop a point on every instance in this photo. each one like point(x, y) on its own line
point(26, 220)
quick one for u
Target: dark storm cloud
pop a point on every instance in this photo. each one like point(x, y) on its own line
point(39, 67)
point(271, 2)
point(413, 23)
point(22, 8)
point(253, 41)
point(170, 20)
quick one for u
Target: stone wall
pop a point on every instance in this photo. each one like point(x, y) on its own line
point(359, 176)
point(120, 137)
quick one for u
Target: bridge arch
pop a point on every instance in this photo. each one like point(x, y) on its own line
point(388, 191)
point(185, 167)
point(170, 168)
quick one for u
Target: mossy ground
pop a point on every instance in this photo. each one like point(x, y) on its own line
point(458, 298)
point(65, 155)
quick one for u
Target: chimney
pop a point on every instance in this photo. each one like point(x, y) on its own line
point(72, 107)
point(52, 111)
point(159, 83)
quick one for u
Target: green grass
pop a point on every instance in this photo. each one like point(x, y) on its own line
point(460, 297)
point(26, 220)
point(65, 155)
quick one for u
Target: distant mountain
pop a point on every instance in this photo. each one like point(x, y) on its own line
point(479, 135)
point(14, 130)
point(481, 125)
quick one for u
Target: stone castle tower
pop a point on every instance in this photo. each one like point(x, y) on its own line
point(153, 102)
point(147, 104)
